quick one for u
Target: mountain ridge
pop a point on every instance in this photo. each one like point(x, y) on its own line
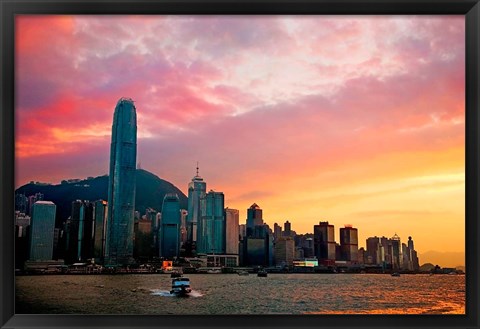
point(150, 190)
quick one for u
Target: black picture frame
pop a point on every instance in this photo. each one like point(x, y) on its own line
point(469, 8)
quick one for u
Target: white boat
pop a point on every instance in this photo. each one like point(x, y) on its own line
point(395, 274)
point(181, 286)
point(242, 273)
point(215, 271)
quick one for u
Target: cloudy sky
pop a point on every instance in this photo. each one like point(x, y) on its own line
point(354, 120)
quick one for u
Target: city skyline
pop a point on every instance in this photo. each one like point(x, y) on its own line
point(271, 115)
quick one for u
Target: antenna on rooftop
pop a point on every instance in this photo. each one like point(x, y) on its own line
point(197, 168)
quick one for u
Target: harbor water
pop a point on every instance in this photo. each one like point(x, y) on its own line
point(234, 294)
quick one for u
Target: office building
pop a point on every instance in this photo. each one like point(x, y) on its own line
point(287, 228)
point(197, 189)
point(349, 244)
point(277, 231)
point(100, 218)
point(169, 236)
point(121, 185)
point(284, 253)
point(324, 243)
point(80, 232)
point(211, 227)
point(21, 203)
point(231, 231)
point(42, 231)
point(143, 246)
point(396, 252)
point(183, 226)
point(254, 218)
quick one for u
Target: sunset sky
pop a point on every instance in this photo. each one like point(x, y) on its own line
point(351, 120)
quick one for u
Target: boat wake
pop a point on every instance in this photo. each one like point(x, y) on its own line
point(166, 293)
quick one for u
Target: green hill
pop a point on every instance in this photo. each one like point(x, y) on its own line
point(150, 190)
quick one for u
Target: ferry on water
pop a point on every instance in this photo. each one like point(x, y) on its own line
point(181, 287)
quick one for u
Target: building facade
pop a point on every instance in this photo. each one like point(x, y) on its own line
point(197, 189)
point(254, 218)
point(170, 227)
point(100, 218)
point(42, 230)
point(284, 251)
point(324, 242)
point(211, 227)
point(232, 231)
point(121, 185)
point(349, 244)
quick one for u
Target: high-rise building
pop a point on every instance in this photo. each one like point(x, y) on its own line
point(277, 231)
point(197, 189)
point(254, 218)
point(121, 185)
point(143, 247)
point(324, 242)
point(284, 253)
point(183, 226)
point(80, 232)
point(169, 236)
point(258, 247)
point(211, 227)
point(242, 230)
point(231, 231)
point(287, 228)
point(100, 218)
point(372, 250)
point(21, 202)
point(42, 230)
point(397, 254)
point(349, 243)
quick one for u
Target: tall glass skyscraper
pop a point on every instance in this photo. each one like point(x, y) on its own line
point(211, 227)
point(196, 191)
point(170, 227)
point(121, 185)
point(42, 226)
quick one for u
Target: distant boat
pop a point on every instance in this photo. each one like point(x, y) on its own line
point(181, 287)
point(242, 273)
point(214, 271)
point(262, 273)
point(395, 274)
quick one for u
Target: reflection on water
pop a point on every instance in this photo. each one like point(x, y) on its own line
point(227, 294)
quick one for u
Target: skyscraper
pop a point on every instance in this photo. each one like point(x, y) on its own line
point(196, 191)
point(211, 227)
point(121, 184)
point(397, 254)
point(254, 218)
point(324, 242)
point(231, 231)
point(80, 231)
point(169, 231)
point(41, 234)
point(349, 243)
point(100, 218)
point(284, 251)
point(287, 227)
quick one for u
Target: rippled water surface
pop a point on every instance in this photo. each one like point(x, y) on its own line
point(233, 294)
